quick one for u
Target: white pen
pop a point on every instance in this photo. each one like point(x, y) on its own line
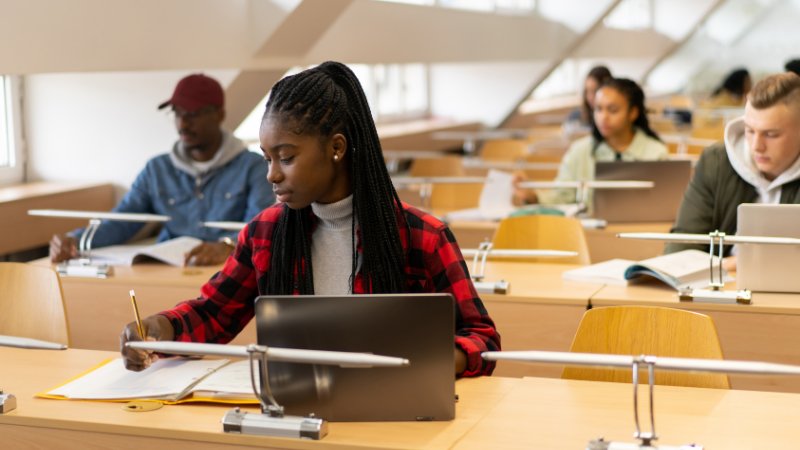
point(20, 342)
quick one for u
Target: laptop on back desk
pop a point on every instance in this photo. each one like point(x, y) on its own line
point(657, 204)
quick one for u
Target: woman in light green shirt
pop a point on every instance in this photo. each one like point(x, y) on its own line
point(621, 132)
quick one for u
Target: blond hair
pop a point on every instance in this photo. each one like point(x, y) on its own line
point(780, 88)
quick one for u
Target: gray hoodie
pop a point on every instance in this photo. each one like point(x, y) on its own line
point(230, 147)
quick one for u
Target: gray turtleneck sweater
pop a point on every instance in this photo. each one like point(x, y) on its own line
point(332, 247)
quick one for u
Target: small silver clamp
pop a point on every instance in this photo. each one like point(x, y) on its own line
point(716, 292)
point(271, 421)
point(83, 266)
point(645, 438)
point(478, 272)
point(8, 402)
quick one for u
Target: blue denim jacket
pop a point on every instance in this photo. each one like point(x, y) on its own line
point(236, 191)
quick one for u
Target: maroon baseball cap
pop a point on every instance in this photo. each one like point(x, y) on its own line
point(194, 92)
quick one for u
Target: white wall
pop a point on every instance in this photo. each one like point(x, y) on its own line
point(483, 92)
point(98, 127)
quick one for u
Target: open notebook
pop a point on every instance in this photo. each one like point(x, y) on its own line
point(171, 252)
point(684, 269)
point(171, 380)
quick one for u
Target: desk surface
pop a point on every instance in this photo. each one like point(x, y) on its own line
point(154, 273)
point(491, 413)
point(46, 422)
point(657, 294)
point(537, 282)
point(553, 414)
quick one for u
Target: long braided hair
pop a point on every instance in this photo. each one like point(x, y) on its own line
point(635, 97)
point(323, 101)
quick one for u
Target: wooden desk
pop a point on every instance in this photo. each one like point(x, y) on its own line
point(541, 312)
point(41, 423)
point(492, 413)
point(766, 330)
point(19, 231)
point(563, 414)
point(603, 243)
point(98, 309)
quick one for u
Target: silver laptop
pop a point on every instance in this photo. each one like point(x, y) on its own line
point(657, 204)
point(768, 268)
point(418, 327)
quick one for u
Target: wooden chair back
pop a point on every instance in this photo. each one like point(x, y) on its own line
point(648, 330)
point(449, 197)
point(446, 166)
point(31, 303)
point(504, 150)
point(543, 232)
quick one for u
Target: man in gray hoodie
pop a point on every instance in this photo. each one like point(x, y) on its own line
point(209, 175)
point(758, 163)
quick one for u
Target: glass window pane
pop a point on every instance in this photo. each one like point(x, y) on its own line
point(415, 88)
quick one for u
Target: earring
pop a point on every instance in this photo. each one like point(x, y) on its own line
point(335, 157)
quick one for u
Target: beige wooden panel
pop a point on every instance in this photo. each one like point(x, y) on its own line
point(98, 309)
point(528, 325)
point(19, 231)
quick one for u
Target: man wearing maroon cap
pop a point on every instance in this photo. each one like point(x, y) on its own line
point(207, 176)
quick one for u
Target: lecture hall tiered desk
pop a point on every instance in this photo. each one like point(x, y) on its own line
point(541, 312)
point(491, 413)
point(21, 232)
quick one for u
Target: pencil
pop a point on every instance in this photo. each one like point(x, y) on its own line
point(139, 326)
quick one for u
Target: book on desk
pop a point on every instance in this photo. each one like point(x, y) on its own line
point(169, 380)
point(684, 269)
point(172, 252)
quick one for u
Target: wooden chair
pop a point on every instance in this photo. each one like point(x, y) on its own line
point(31, 303)
point(649, 330)
point(446, 166)
point(504, 150)
point(449, 197)
point(543, 232)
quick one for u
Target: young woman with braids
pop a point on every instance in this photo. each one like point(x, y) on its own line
point(620, 132)
point(339, 227)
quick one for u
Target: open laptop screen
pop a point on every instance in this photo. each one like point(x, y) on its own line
point(418, 327)
point(657, 204)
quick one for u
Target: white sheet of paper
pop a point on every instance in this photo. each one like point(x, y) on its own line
point(497, 195)
point(164, 379)
point(231, 379)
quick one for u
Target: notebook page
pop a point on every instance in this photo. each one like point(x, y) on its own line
point(166, 378)
point(681, 264)
point(172, 251)
point(232, 380)
point(606, 272)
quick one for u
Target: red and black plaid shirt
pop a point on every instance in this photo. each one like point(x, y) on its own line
point(435, 264)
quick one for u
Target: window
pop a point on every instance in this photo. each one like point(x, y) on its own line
point(395, 92)
point(10, 156)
